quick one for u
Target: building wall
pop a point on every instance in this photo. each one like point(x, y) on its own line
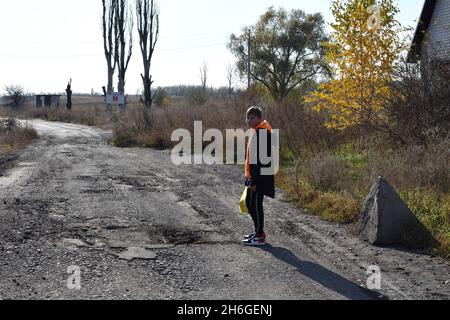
point(437, 44)
point(48, 101)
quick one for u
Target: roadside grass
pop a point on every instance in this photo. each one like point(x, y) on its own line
point(333, 185)
point(13, 136)
point(86, 110)
point(142, 127)
point(90, 115)
point(433, 210)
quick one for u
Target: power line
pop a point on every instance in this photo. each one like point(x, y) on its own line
point(197, 35)
point(99, 41)
point(194, 47)
point(101, 54)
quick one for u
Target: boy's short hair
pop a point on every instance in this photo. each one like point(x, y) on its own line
point(255, 111)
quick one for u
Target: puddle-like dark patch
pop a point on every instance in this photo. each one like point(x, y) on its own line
point(116, 227)
point(138, 183)
point(179, 236)
point(130, 181)
point(96, 191)
point(67, 154)
point(88, 178)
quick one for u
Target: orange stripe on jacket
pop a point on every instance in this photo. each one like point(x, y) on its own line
point(263, 125)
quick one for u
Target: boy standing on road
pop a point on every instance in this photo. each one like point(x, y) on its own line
point(259, 182)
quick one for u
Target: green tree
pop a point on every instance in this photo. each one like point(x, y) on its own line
point(286, 49)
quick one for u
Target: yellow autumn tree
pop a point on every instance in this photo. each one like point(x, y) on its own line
point(362, 52)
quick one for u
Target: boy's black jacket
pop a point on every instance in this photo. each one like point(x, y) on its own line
point(265, 184)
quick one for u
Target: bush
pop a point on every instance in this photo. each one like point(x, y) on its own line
point(197, 96)
point(161, 98)
point(15, 96)
point(9, 124)
point(325, 172)
point(256, 95)
point(14, 136)
point(418, 108)
point(142, 127)
point(336, 207)
point(433, 210)
point(413, 166)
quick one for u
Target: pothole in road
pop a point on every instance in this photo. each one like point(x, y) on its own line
point(44, 207)
point(96, 191)
point(116, 237)
point(181, 236)
point(130, 181)
point(159, 236)
point(138, 183)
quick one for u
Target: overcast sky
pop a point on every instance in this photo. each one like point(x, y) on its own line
point(44, 43)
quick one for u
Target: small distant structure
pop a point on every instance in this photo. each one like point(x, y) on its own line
point(47, 100)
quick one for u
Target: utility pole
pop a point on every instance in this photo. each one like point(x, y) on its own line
point(248, 58)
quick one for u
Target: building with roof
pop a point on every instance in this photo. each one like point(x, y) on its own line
point(47, 100)
point(432, 37)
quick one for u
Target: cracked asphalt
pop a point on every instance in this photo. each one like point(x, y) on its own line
point(139, 227)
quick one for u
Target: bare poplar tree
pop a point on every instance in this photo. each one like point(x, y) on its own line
point(204, 75)
point(147, 14)
point(124, 33)
point(109, 39)
point(230, 77)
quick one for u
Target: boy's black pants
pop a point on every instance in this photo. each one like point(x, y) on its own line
point(254, 203)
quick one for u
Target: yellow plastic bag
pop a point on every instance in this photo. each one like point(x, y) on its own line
point(243, 202)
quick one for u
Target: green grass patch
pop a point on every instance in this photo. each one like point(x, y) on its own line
point(355, 158)
point(6, 148)
point(433, 210)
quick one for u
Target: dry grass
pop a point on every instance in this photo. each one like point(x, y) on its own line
point(414, 166)
point(154, 127)
point(227, 113)
point(324, 171)
point(333, 184)
point(335, 206)
point(14, 137)
point(87, 110)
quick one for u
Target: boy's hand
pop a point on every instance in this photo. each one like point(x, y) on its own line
point(253, 188)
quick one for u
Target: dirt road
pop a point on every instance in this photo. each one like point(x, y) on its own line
point(138, 227)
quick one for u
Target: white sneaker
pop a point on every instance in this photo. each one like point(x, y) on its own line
point(255, 241)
